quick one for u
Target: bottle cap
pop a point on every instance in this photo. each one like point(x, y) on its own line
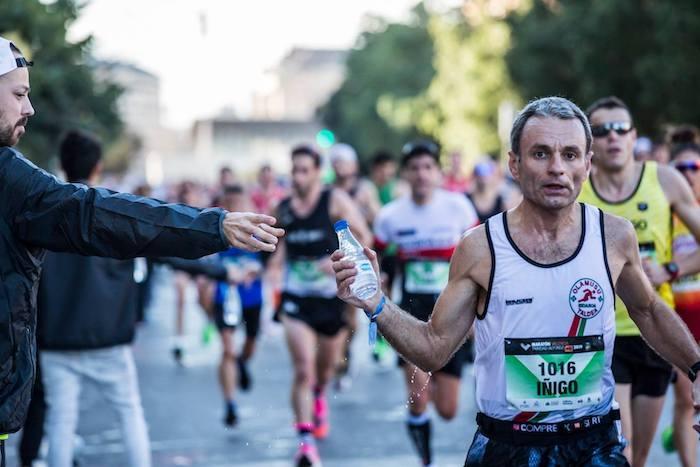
point(341, 225)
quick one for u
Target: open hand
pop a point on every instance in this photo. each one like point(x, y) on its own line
point(252, 232)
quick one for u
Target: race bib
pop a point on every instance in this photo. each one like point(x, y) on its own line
point(559, 373)
point(305, 276)
point(426, 277)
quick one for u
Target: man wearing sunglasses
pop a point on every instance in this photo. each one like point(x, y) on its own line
point(647, 194)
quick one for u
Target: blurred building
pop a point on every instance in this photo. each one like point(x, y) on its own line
point(302, 82)
point(282, 116)
point(140, 110)
point(245, 144)
point(139, 104)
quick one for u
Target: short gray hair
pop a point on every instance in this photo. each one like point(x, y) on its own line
point(556, 107)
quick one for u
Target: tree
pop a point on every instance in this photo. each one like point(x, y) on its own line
point(64, 92)
point(390, 61)
point(460, 106)
point(641, 51)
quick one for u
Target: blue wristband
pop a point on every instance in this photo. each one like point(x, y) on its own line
point(373, 321)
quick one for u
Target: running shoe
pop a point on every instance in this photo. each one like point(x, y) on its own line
point(321, 425)
point(178, 355)
point(208, 332)
point(307, 456)
point(231, 417)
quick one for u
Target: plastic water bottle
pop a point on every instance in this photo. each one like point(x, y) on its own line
point(365, 285)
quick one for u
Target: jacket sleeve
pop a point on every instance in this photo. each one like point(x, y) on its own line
point(44, 212)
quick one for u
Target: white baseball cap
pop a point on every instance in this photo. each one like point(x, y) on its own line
point(8, 61)
point(342, 152)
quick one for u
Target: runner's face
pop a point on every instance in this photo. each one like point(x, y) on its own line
point(383, 173)
point(15, 107)
point(613, 152)
point(235, 202)
point(553, 162)
point(684, 162)
point(422, 174)
point(305, 174)
point(345, 169)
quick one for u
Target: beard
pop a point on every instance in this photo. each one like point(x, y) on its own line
point(7, 131)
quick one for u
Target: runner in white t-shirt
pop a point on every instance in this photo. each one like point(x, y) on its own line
point(426, 226)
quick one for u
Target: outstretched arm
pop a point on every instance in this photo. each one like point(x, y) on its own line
point(46, 213)
point(428, 345)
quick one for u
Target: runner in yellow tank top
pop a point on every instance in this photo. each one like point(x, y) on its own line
point(647, 195)
point(650, 213)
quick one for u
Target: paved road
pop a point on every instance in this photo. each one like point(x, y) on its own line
point(184, 409)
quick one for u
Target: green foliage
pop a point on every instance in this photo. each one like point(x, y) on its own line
point(64, 92)
point(642, 51)
point(460, 107)
point(440, 76)
point(390, 61)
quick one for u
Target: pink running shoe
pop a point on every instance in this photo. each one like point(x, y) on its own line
point(321, 425)
point(307, 456)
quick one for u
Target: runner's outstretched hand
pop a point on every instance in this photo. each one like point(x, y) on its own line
point(252, 232)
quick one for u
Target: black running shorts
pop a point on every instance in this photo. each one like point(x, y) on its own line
point(421, 307)
point(324, 315)
point(635, 363)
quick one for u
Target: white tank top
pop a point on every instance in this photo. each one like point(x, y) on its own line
point(544, 344)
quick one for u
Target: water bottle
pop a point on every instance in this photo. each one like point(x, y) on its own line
point(232, 307)
point(365, 285)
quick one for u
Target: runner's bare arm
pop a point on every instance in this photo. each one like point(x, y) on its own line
point(343, 207)
point(686, 207)
point(659, 324)
point(429, 345)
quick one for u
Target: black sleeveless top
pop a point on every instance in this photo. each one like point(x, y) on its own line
point(312, 236)
point(497, 208)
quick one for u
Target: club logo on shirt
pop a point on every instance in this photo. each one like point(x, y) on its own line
point(586, 298)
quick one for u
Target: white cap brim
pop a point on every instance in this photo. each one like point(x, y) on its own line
point(8, 61)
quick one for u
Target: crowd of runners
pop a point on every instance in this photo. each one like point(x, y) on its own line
point(566, 273)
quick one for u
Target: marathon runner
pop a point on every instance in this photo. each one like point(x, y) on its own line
point(540, 280)
point(647, 194)
point(311, 313)
point(425, 226)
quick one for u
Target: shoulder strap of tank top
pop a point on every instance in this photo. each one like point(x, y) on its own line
point(323, 208)
point(601, 221)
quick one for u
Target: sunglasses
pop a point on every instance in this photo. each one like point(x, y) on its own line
point(688, 166)
point(621, 128)
point(423, 146)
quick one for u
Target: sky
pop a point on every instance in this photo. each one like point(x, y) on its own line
point(213, 54)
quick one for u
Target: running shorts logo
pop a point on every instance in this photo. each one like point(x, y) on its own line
point(586, 298)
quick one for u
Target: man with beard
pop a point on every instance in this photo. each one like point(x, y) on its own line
point(38, 212)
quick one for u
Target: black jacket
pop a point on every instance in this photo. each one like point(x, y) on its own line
point(87, 302)
point(38, 212)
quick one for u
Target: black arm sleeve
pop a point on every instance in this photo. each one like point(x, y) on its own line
point(196, 267)
point(46, 213)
